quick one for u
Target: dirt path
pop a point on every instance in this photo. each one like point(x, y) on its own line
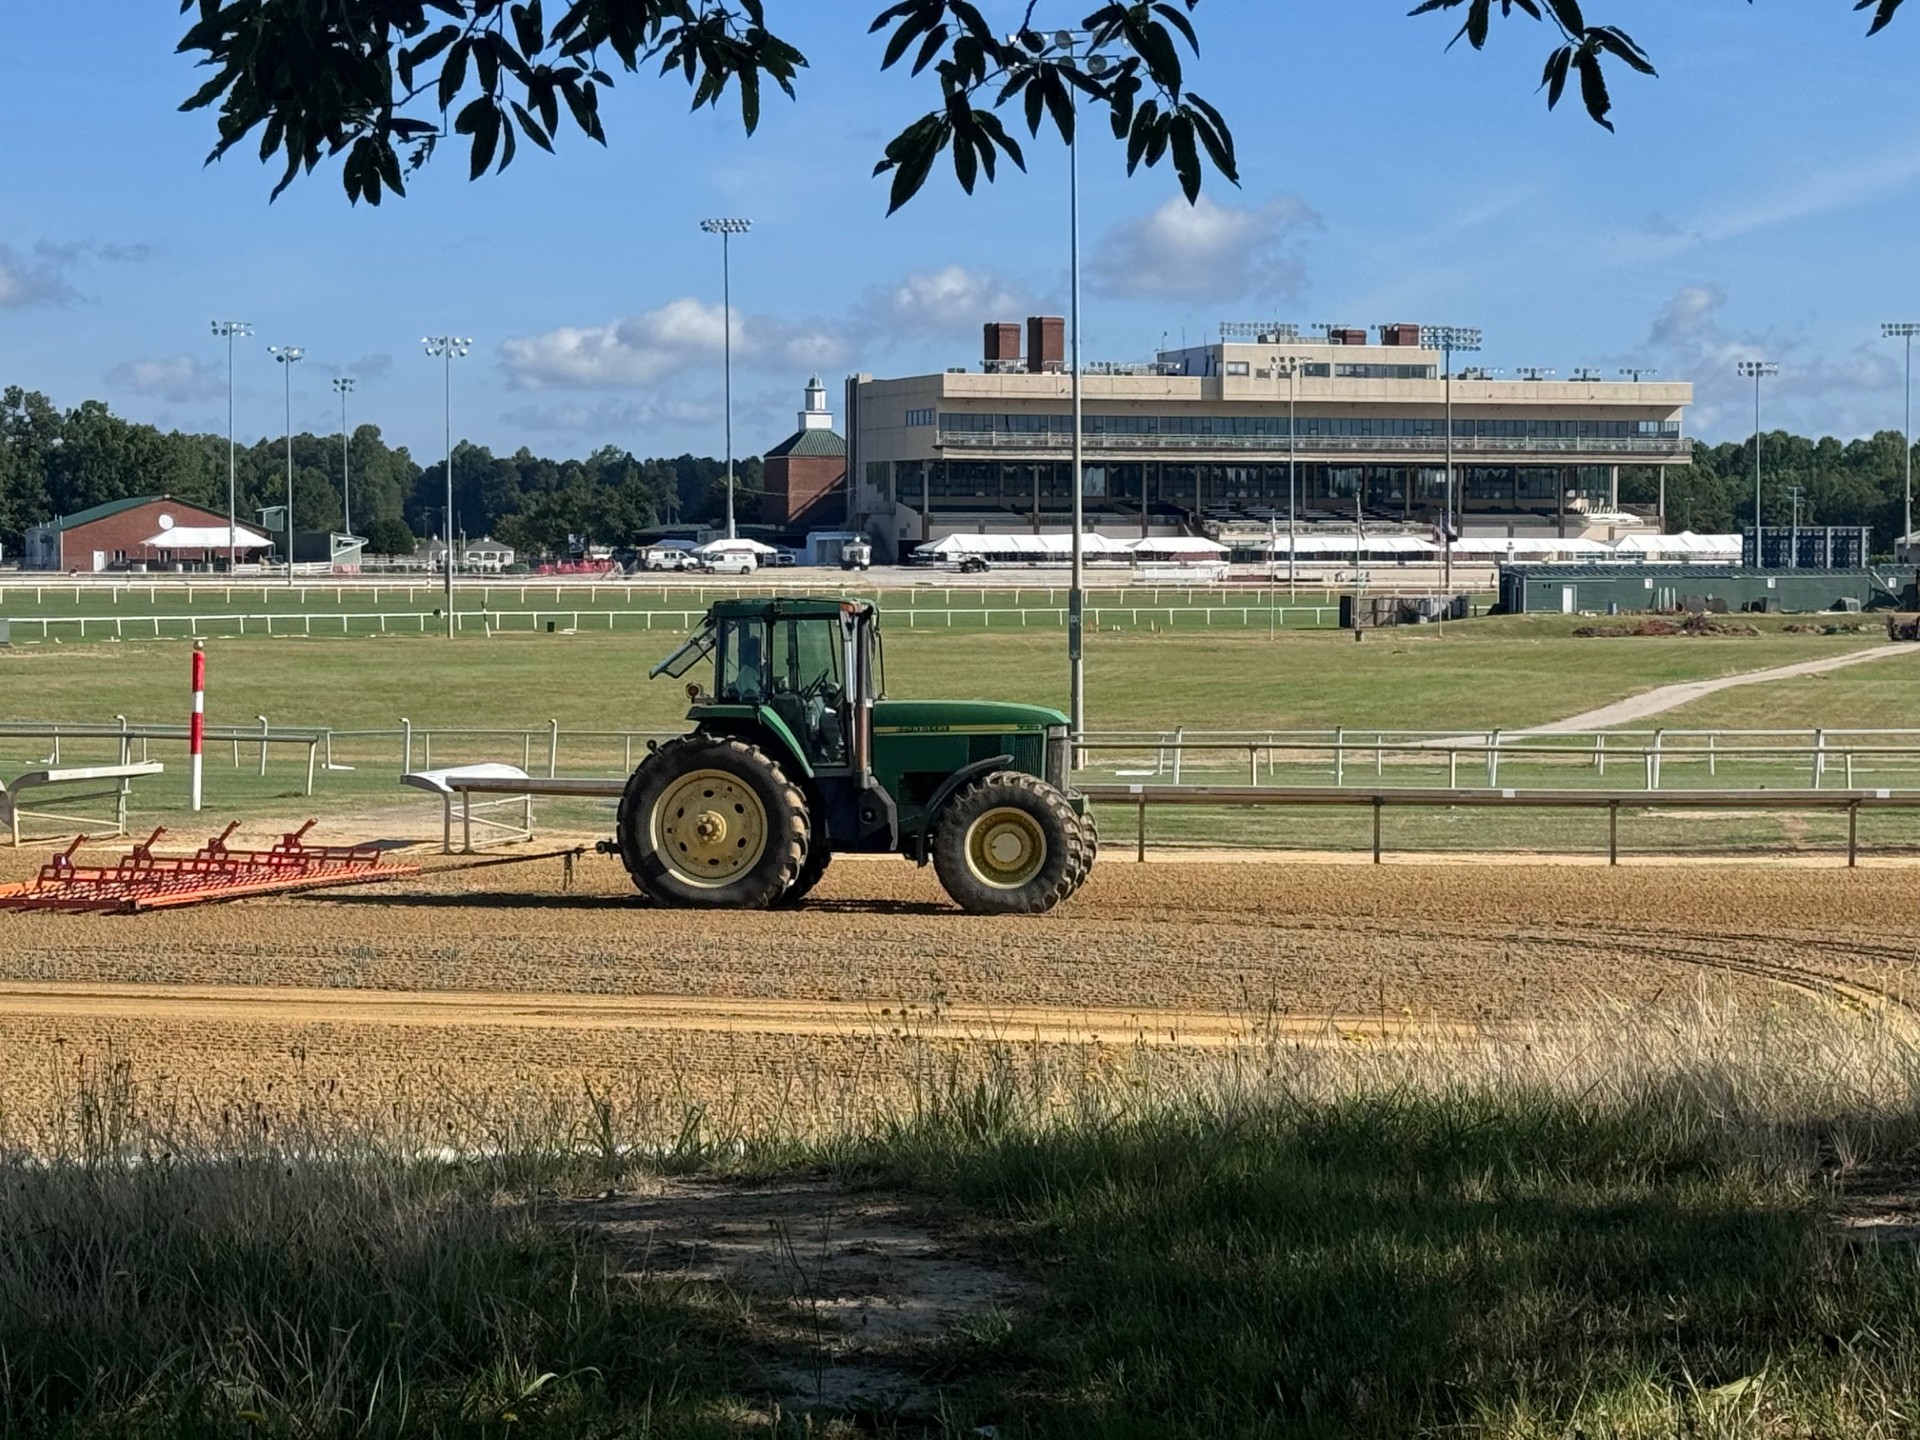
point(279, 1005)
point(1672, 697)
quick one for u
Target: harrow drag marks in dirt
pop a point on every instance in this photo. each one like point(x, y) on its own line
point(145, 881)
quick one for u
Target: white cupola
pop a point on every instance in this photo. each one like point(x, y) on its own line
point(816, 416)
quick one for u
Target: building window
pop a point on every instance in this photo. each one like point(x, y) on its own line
point(919, 417)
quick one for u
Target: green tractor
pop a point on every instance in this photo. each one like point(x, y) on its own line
point(797, 755)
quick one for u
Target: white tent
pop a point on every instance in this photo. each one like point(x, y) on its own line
point(1686, 544)
point(206, 537)
point(736, 545)
point(1186, 547)
point(1019, 547)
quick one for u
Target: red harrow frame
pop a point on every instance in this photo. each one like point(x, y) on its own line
point(145, 881)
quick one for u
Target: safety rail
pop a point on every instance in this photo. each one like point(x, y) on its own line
point(307, 623)
point(128, 735)
point(1852, 802)
point(1818, 751)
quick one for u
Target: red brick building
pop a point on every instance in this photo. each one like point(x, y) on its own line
point(153, 530)
point(806, 474)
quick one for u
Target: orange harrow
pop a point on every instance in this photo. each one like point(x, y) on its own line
point(145, 881)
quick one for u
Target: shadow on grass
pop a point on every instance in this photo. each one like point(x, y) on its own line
point(1393, 1267)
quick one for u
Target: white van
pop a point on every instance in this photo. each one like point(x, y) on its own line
point(729, 563)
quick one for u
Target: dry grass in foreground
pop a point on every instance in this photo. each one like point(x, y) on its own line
point(1635, 1230)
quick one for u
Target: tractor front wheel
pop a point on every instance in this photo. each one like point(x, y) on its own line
point(712, 823)
point(1009, 844)
point(819, 856)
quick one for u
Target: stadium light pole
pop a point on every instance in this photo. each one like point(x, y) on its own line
point(231, 330)
point(726, 230)
point(344, 384)
point(1447, 339)
point(447, 349)
point(288, 356)
point(1756, 371)
point(1289, 366)
point(1902, 330)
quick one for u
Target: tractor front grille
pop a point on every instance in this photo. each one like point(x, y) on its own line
point(1057, 758)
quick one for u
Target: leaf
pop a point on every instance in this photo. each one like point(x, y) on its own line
point(1593, 87)
point(1882, 16)
point(453, 74)
point(1616, 42)
point(1567, 12)
point(1186, 156)
point(1554, 79)
point(1173, 17)
point(531, 128)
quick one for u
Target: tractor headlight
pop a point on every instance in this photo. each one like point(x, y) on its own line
point(1057, 757)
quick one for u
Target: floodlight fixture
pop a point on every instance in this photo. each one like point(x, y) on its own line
point(1637, 373)
point(726, 226)
point(1535, 372)
point(1586, 373)
point(1464, 338)
point(1758, 369)
point(726, 229)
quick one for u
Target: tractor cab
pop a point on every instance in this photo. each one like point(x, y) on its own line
point(807, 669)
point(796, 755)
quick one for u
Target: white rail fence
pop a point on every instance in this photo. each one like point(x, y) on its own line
point(491, 621)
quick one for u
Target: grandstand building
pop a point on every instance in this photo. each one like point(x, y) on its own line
point(1199, 440)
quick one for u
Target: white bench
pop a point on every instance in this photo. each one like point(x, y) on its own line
point(62, 782)
point(511, 786)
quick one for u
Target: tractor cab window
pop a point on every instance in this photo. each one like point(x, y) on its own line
point(810, 685)
point(740, 674)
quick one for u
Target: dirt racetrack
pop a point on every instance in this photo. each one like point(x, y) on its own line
point(458, 989)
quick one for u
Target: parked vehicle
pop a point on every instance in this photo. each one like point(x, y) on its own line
point(783, 559)
point(732, 562)
point(668, 557)
point(856, 555)
point(975, 565)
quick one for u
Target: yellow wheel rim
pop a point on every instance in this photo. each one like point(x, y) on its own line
point(710, 828)
point(1006, 848)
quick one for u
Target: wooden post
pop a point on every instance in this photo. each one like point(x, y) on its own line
point(1378, 806)
point(1613, 832)
point(1140, 847)
point(1853, 834)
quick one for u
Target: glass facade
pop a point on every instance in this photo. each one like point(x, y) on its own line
point(961, 424)
point(1321, 490)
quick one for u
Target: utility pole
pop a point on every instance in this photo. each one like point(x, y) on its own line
point(1447, 339)
point(726, 230)
point(447, 349)
point(288, 356)
point(229, 330)
point(344, 385)
point(1756, 371)
point(1906, 331)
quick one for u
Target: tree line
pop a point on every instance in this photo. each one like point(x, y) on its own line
point(55, 463)
point(1840, 482)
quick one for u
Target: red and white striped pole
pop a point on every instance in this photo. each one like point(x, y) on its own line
point(197, 725)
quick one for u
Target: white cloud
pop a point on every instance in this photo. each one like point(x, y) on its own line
point(952, 298)
point(39, 279)
point(175, 378)
point(1814, 394)
point(647, 349)
point(1205, 252)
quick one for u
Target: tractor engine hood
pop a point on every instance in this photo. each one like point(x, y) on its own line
point(974, 717)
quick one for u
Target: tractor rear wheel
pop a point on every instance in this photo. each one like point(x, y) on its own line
point(1009, 844)
point(819, 856)
point(1089, 848)
point(713, 823)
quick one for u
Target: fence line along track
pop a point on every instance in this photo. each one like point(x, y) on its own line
point(1849, 802)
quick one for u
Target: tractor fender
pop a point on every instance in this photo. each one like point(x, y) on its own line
point(758, 724)
point(950, 787)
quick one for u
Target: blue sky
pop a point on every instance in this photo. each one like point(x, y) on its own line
point(1762, 198)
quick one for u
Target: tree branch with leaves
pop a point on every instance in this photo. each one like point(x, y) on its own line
point(383, 83)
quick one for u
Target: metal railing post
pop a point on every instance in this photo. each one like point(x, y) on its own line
point(553, 748)
point(406, 746)
point(265, 731)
